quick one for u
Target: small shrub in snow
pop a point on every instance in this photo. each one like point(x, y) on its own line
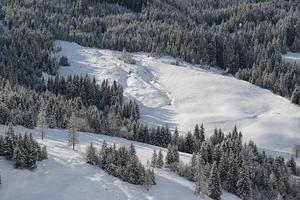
point(127, 58)
point(64, 61)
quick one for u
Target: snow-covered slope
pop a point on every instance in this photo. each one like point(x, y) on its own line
point(292, 58)
point(185, 95)
point(66, 176)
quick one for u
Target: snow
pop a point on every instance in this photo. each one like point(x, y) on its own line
point(187, 94)
point(66, 176)
point(291, 57)
point(4, 27)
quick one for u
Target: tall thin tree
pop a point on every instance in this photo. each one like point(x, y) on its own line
point(72, 135)
point(42, 121)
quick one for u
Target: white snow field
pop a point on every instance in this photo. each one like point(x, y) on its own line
point(66, 176)
point(291, 57)
point(185, 95)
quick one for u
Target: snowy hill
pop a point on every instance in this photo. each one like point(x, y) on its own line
point(185, 95)
point(291, 57)
point(66, 171)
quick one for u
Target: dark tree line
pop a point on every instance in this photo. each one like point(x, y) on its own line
point(87, 89)
point(121, 162)
point(21, 148)
point(243, 36)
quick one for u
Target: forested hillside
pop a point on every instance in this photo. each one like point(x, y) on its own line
point(245, 37)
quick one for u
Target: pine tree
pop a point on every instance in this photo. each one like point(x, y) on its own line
point(214, 185)
point(132, 150)
point(91, 155)
point(8, 146)
point(135, 171)
point(202, 133)
point(103, 155)
point(193, 164)
point(9, 131)
point(38, 150)
point(42, 121)
point(189, 143)
point(149, 179)
point(44, 154)
point(231, 178)
point(223, 167)
point(200, 176)
point(291, 164)
point(19, 154)
point(154, 162)
point(72, 136)
point(160, 160)
point(175, 154)
point(244, 184)
point(197, 132)
point(169, 156)
point(30, 151)
point(2, 147)
point(175, 137)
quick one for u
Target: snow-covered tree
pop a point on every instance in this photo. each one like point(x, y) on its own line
point(154, 159)
point(91, 155)
point(292, 166)
point(127, 58)
point(44, 155)
point(42, 121)
point(200, 176)
point(160, 160)
point(244, 184)
point(72, 133)
point(19, 154)
point(149, 178)
point(214, 185)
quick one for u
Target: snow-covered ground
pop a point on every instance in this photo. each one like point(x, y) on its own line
point(291, 57)
point(66, 176)
point(185, 95)
point(3, 27)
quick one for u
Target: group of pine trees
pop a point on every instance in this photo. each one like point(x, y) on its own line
point(21, 148)
point(100, 108)
point(243, 36)
point(121, 162)
point(223, 162)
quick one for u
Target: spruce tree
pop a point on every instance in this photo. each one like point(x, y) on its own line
point(135, 171)
point(154, 160)
point(292, 166)
point(44, 154)
point(214, 185)
point(8, 146)
point(149, 179)
point(2, 147)
point(19, 154)
point(72, 134)
point(30, 151)
point(231, 178)
point(42, 121)
point(197, 132)
point(175, 136)
point(103, 155)
point(244, 184)
point(200, 176)
point(160, 160)
point(91, 155)
point(202, 133)
point(169, 156)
